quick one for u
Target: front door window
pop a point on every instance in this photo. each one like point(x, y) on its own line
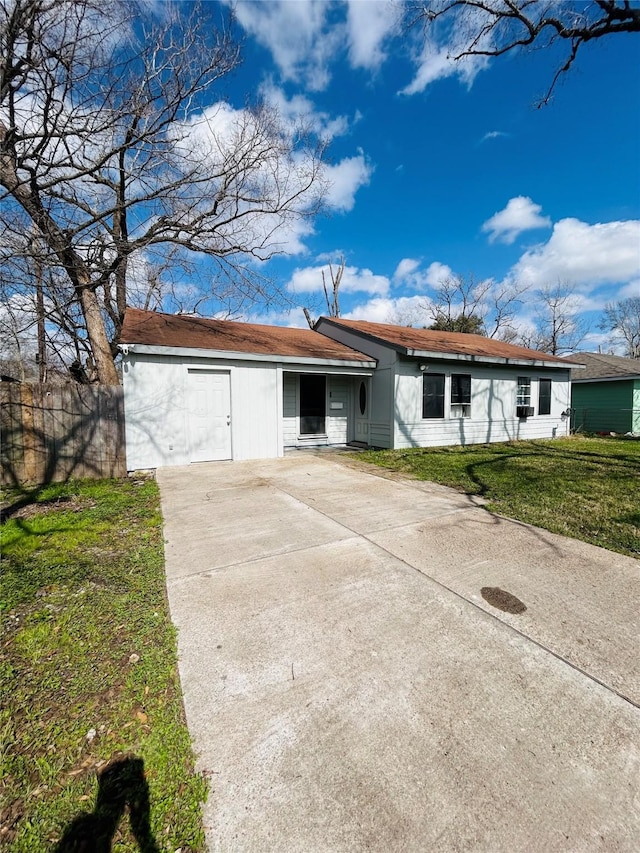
point(362, 398)
point(313, 403)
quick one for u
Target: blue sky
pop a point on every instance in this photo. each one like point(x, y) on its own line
point(461, 174)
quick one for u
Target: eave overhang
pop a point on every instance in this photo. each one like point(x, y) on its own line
point(332, 364)
point(630, 378)
point(486, 359)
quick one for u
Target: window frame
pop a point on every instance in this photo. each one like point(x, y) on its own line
point(523, 399)
point(306, 412)
point(547, 383)
point(439, 397)
point(464, 405)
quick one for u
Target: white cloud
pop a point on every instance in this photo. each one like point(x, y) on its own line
point(437, 273)
point(404, 310)
point(405, 269)
point(220, 131)
point(369, 23)
point(493, 134)
point(582, 254)
point(309, 280)
point(520, 214)
point(214, 137)
point(345, 179)
point(297, 35)
point(436, 62)
point(299, 110)
point(630, 290)
point(409, 274)
point(293, 318)
point(601, 342)
point(330, 257)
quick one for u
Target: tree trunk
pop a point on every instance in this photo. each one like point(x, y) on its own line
point(100, 349)
point(28, 197)
point(42, 350)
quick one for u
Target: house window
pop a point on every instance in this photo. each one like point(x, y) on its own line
point(523, 397)
point(460, 395)
point(362, 398)
point(433, 395)
point(544, 397)
point(313, 404)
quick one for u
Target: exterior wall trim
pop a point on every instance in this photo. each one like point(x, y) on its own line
point(494, 359)
point(226, 355)
point(629, 378)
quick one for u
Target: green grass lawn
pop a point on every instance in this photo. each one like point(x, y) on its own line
point(588, 488)
point(89, 677)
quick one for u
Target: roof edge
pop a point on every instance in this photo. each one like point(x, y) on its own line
point(132, 349)
point(561, 363)
point(492, 359)
point(366, 335)
point(615, 378)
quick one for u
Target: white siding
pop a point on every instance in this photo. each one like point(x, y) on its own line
point(254, 411)
point(155, 425)
point(381, 408)
point(493, 407)
point(381, 412)
point(157, 428)
point(338, 392)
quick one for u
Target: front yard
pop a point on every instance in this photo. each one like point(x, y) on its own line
point(588, 488)
point(91, 712)
point(91, 715)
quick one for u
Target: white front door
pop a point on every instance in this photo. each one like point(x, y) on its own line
point(361, 413)
point(209, 415)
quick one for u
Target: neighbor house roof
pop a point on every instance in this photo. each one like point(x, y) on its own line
point(430, 343)
point(179, 331)
point(599, 366)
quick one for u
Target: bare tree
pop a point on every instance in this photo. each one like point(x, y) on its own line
point(331, 297)
point(458, 305)
point(623, 319)
point(558, 327)
point(485, 28)
point(40, 325)
point(482, 308)
point(112, 147)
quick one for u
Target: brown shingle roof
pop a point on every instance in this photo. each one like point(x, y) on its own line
point(408, 340)
point(599, 366)
point(151, 328)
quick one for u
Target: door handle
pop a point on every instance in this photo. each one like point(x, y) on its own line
point(228, 420)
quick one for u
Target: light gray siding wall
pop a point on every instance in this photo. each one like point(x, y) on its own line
point(381, 408)
point(338, 392)
point(493, 406)
point(254, 424)
point(157, 417)
point(290, 409)
point(381, 413)
point(155, 422)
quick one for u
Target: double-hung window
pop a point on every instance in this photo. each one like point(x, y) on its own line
point(460, 395)
point(523, 394)
point(433, 395)
point(544, 396)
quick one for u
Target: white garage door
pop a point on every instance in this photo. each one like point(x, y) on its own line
point(208, 415)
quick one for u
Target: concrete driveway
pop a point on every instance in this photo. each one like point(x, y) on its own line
point(349, 688)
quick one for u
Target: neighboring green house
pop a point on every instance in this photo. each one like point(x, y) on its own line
point(605, 396)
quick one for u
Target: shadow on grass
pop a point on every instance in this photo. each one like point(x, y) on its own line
point(616, 465)
point(121, 786)
point(21, 502)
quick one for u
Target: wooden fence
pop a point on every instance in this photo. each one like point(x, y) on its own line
point(51, 433)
